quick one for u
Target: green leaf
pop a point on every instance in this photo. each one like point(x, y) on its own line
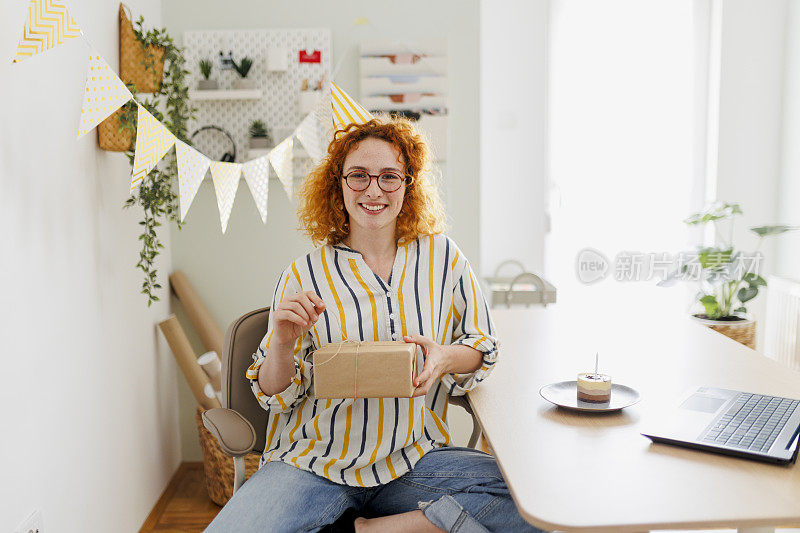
point(709, 301)
point(754, 280)
point(713, 257)
point(764, 231)
point(715, 211)
point(746, 294)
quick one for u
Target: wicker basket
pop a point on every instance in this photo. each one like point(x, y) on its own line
point(110, 137)
point(218, 466)
point(132, 57)
point(742, 331)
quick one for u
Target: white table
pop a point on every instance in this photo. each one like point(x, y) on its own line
point(549, 455)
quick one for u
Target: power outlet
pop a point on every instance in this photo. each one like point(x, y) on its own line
point(32, 524)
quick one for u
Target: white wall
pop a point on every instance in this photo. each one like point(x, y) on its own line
point(237, 272)
point(788, 260)
point(750, 121)
point(89, 403)
point(513, 128)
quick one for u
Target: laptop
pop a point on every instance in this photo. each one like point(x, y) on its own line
point(755, 426)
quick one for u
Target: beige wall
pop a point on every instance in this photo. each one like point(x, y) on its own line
point(236, 272)
point(89, 402)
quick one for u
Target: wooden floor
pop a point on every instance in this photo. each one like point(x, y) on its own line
point(184, 507)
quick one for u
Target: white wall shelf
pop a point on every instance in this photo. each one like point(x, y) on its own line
point(233, 94)
point(409, 76)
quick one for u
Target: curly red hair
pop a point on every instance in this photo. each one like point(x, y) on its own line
point(321, 209)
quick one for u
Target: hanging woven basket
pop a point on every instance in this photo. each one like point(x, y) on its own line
point(133, 55)
point(111, 137)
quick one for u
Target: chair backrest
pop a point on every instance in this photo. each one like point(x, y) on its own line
point(241, 341)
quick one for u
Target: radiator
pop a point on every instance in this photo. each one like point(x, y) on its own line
point(782, 328)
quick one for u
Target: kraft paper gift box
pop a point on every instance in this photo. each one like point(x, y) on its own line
point(383, 369)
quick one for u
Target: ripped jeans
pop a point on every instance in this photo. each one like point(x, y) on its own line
point(458, 489)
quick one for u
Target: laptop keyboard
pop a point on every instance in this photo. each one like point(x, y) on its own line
point(752, 423)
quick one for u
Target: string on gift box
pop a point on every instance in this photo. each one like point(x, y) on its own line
point(339, 349)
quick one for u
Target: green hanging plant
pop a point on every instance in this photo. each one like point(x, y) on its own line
point(155, 193)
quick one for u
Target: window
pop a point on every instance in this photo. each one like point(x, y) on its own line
point(621, 142)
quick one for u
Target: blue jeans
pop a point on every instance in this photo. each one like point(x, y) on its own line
point(458, 489)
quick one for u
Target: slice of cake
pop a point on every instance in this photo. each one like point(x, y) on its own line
point(594, 388)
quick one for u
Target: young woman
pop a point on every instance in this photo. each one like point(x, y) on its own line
point(385, 272)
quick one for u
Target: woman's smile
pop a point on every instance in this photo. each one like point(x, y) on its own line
point(373, 208)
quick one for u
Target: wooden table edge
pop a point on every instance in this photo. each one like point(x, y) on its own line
point(623, 528)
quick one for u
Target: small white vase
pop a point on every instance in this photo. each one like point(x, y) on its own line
point(243, 84)
point(207, 85)
point(259, 142)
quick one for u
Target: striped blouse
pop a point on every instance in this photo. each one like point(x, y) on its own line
point(432, 291)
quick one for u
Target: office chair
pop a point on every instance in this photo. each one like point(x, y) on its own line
point(233, 424)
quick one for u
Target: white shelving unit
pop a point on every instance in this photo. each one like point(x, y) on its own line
point(401, 76)
point(233, 94)
point(275, 97)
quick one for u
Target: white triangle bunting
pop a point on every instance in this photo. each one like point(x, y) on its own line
point(256, 174)
point(283, 162)
point(152, 142)
point(226, 180)
point(192, 168)
point(104, 94)
point(315, 132)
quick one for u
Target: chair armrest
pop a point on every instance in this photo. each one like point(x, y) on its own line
point(234, 433)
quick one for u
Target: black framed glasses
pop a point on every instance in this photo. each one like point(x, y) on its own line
point(359, 180)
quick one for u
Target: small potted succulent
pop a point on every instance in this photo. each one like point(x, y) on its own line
point(206, 84)
point(259, 138)
point(242, 68)
point(727, 283)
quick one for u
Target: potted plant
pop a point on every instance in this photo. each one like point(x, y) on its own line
point(156, 193)
point(259, 138)
point(727, 281)
point(206, 84)
point(243, 69)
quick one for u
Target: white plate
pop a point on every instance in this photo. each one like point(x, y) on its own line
point(565, 394)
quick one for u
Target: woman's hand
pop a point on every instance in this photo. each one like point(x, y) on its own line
point(295, 316)
point(437, 363)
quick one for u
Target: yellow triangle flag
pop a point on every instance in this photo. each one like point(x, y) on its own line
point(104, 94)
point(48, 24)
point(346, 111)
point(152, 142)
